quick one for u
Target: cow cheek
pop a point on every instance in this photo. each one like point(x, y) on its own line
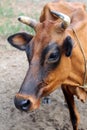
point(57, 76)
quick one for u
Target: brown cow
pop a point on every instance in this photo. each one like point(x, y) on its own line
point(56, 54)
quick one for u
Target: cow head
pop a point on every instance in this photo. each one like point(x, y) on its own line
point(48, 54)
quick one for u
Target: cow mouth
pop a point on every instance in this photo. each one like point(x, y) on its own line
point(26, 103)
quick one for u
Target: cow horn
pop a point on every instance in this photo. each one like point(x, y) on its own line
point(66, 19)
point(29, 21)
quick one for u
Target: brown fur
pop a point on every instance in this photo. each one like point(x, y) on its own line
point(78, 15)
point(79, 18)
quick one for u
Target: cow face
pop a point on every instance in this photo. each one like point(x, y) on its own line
point(48, 54)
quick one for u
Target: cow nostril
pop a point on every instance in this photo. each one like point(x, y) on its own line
point(22, 104)
point(25, 104)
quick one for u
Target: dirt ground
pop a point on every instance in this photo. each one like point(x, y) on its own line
point(53, 116)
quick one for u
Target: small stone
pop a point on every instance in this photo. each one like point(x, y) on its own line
point(46, 100)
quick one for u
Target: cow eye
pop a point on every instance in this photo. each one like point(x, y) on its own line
point(54, 57)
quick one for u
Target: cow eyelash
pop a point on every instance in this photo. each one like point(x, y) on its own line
point(53, 57)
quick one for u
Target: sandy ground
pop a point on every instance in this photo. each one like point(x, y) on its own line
point(53, 116)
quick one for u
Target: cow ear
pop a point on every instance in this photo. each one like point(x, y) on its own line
point(68, 46)
point(20, 40)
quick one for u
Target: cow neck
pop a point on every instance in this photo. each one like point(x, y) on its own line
point(84, 86)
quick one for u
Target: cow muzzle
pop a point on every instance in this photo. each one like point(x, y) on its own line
point(26, 103)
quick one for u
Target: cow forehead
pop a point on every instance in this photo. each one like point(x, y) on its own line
point(44, 29)
point(49, 32)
